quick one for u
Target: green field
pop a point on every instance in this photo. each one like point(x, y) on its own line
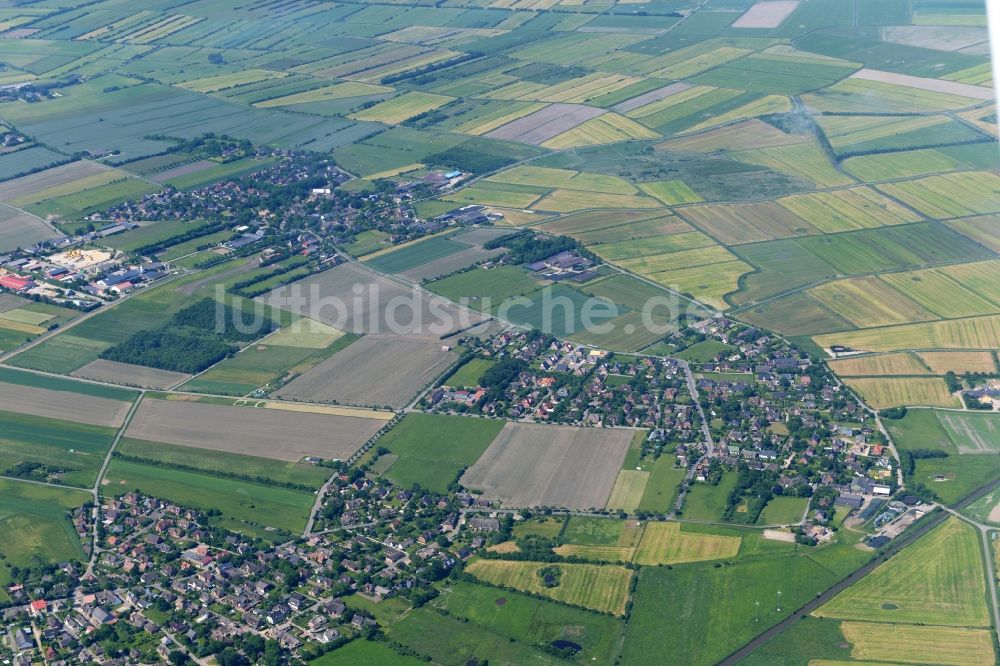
point(783, 511)
point(415, 255)
point(434, 449)
point(703, 352)
point(940, 580)
point(661, 489)
point(469, 374)
point(73, 451)
point(364, 653)
point(485, 289)
point(245, 506)
point(707, 502)
point(532, 621)
point(34, 524)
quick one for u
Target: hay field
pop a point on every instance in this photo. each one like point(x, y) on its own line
point(898, 363)
point(374, 371)
point(563, 178)
point(946, 646)
point(968, 333)
point(867, 301)
point(601, 588)
point(708, 283)
point(567, 201)
point(62, 404)
point(628, 490)
point(884, 392)
point(19, 229)
point(889, 166)
point(266, 433)
point(396, 110)
point(941, 293)
point(671, 192)
point(938, 580)
point(972, 432)
point(666, 543)
point(847, 210)
point(735, 224)
point(130, 375)
point(982, 277)
point(607, 128)
point(949, 195)
point(541, 465)
point(959, 362)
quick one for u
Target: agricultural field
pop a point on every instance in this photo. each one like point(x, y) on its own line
point(944, 584)
point(884, 392)
point(34, 523)
point(539, 465)
point(600, 588)
point(270, 433)
point(431, 450)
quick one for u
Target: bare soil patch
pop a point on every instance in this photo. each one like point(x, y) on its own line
point(531, 465)
point(63, 405)
point(766, 14)
point(374, 371)
point(923, 83)
point(651, 96)
point(130, 375)
point(268, 433)
point(538, 127)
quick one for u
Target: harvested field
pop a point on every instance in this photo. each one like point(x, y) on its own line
point(941, 293)
point(940, 579)
point(766, 14)
point(608, 128)
point(350, 298)
point(544, 124)
point(968, 333)
point(734, 224)
point(910, 644)
point(601, 588)
point(541, 465)
point(949, 195)
point(266, 433)
point(64, 405)
point(899, 363)
point(959, 362)
point(747, 135)
point(847, 210)
point(667, 543)
point(353, 412)
point(396, 110)
point(867, 301)
point(374, 371)
point(130, 375)
point(885, 392)
point(923, 83)
point(565, 201)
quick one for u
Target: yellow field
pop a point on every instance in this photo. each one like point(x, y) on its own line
point(707, 283)
point(942, 294)
point(487, 123)
point(628, 490)
point(909, 644)
point(607, 128)
point(859, 96)
point(580, 90)
point(396, 110)
point(734, 224)
point(896, 363)
point(602, 588)
point(867, 301)
point(982, 277)
point(337, 91)
point(968, 333)
point(389, 173)
point(479, 195)
point(355, 412)
point(847, 130)
point(846, 210)
point(760, 107)
point(959, 362)
point(210, 84)
point(565, 201)
point(666, 543)
point(564, 178)
point(748, 135)
point(940, 579)
point(886, 392)
point(671, 192)
point(699, 256)
point(21, 327)
point(804, 160)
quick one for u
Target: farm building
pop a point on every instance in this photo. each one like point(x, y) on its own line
point(16, 282)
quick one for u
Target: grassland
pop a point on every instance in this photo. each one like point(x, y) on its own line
point(601, 588)
point(661, 489)
point(434, 449)
point(938, 580)
point(470, 374)
point(707, 502)
point(34, 523)
point(668, 543)
point(783, 510)
point(363, 653)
